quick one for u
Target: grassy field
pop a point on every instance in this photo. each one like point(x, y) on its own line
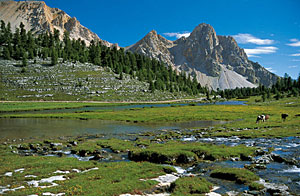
point(44, 105)
point(82, 177)
point(124, 177)
point(241, 117)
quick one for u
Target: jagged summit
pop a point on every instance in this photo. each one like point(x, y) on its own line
point(39, 18)
point(216, 61)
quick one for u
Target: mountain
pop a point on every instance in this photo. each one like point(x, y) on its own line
point(216, 61)
point(39, 18)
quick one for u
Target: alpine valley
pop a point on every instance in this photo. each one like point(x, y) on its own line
point(190, 117)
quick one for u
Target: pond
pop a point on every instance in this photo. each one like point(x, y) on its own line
point(25, 128)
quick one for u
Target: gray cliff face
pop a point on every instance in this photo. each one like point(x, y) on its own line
point(216, 61)
point(154, 46)
point(39, 18)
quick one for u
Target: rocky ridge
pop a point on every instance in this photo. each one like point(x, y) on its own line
point(216, 61)
point(39, 18)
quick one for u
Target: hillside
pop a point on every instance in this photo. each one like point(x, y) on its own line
point(73, 82)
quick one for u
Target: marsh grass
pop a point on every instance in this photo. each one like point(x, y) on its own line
point(109, 179)
point(190, 186)
point(239, 175)
point(177, 152)
point(44, 105)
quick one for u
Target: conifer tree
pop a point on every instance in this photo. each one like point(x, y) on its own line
point(24, 59)
point(54, 57)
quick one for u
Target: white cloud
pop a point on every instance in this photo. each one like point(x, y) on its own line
point(260, 50)
point(270, 69)
point(292, 66)
point(245, 38)
point(178, 34)
point(295, 60)
point(295, 43)
point(297, 54)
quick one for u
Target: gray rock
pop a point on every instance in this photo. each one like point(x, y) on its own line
point(275, 189)
point(216, 61)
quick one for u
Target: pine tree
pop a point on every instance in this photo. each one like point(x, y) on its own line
point(151, 87)
point(121, 76)
point(24, 60)
point(6, 54)
point(54, 57)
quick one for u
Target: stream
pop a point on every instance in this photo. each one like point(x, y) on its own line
point(275, 172)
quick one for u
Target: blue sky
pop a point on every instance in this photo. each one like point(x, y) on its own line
point(269, 30)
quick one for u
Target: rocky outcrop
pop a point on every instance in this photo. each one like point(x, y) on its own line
point(216, 61)
point(39, 18)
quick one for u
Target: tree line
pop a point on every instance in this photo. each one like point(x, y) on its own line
point(22, 45)
point(285, 86)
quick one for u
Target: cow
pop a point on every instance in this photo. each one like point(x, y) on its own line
point(284, 116)
point(261, 118)
point(267, 117)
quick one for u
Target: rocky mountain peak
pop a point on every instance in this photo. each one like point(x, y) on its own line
point(216, 61)
point(40, 18)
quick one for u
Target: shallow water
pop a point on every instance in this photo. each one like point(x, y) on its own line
point(15, 128)
point(280, 173)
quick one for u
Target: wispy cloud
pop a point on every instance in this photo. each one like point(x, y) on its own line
point(295, 60)
point(295, 43)
point(260, 50)
point(297, 54)
point(178, 34)
point(292, 66)
point(270, 69)
point(245, 38)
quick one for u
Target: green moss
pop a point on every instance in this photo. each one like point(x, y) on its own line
point(190, 186)
point(239, 175)
point(177, 152)
point(117, 144)
point(110, 178)
point(256, 186)
point(86, 147)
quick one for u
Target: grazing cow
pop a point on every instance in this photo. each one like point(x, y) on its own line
point(267, 117)
point(284, 116)
point(260, 118)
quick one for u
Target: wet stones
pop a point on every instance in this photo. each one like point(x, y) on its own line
point(255, 166)
point(260, 152)
point(246, 158)
point(97, 157)
point(280, 159)
point(185, 159)
point(73, 143)
point(275, 189)
point(265, 159)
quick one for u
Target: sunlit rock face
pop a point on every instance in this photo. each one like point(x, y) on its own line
point(39, 18)
point(216, 61)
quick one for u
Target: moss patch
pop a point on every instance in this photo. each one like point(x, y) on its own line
point(190, 186)
point(239, 175)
